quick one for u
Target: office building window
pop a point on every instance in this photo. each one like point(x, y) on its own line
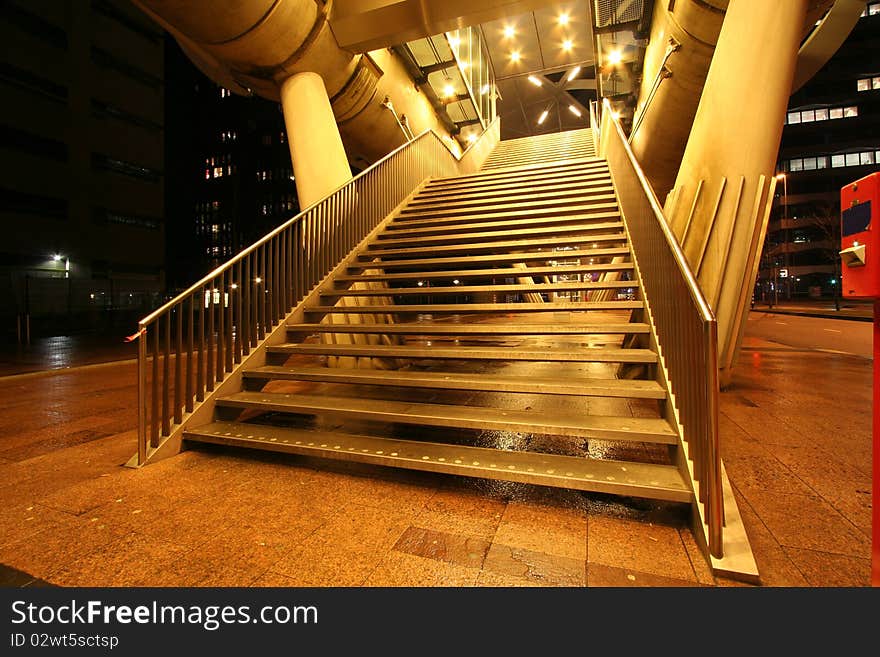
point(868, 84)
point(821, 114)
point(108, 60)
point(27, 142)
point(31, 82)
point(103, 162)
point(35, 25)
point(17, 202)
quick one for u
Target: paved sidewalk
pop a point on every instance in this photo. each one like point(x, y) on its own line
point(862, 311)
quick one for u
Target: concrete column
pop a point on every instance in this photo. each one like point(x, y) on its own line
point(719, 205)
point(319, 162)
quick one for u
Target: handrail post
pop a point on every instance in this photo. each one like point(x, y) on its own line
point(715, 506)
point(142, 393)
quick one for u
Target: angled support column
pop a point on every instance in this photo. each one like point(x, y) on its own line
point(719, 205)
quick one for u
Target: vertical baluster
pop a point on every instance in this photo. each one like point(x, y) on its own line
point(261, 291)
point(142, 394)
point(211, 377)
point(245, 318)
point(236, 297)
point(154, 386)
point(298, 262)
point(178, 367)
point(200, 365)
point(166, 378)
point(190, 336)
point(276, 281)
point(221, 325)
point(227, 301)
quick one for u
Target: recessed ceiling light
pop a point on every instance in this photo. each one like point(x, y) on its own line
point(567, 45)
point(574, 110)
point(614, 57)
point(563, 19)
point(543, 116)
point(574, 73)
point(509, 31)
point(448, 89)
point(471, 138)
point(515, 56)
point(535, 81)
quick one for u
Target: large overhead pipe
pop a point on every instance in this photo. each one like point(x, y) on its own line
point(255, 47)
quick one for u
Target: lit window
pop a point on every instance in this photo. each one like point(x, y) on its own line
point(866, 158)
point(821, 114)
point(864, 84)
point(796, 165)
point(794, 117)
point(852, 159)
point(808, 116)
point(850, 111)
point(836, 113)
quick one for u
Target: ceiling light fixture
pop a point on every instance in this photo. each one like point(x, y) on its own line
point(543, 116)
point(614, 57)
point(448, 89)
point(509, 32)
point(515, 56)
point(574, 110)
point(574, 73)
point(567, 45)
point(535, 81)
point(563, 19)
point(471, 138)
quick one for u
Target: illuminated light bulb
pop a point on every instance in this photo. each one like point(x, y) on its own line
point(615, 114)
point(509, 32)
point(448, 90)
point(574, 73)
point(471, 138)
point(614, 57)
point(543, 116)
point(515, 56)
point(563, 19)
point(258, 280)
point(567, 45)
point(574, 110)
point(535, 81)
point(56, 258)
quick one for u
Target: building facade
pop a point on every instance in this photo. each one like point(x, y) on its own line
point(230, 176)
point(82, 154)
point(831, 138)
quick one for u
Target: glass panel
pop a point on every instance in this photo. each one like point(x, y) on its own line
point(850, 111)
point(838, 161)
point(875, 83)
point(821, 114)
point(809, 163)
point(864, 84)
point(808, 116)
point(852, 159)
point(797, 165)
point(836, 113)
point(867, 158)
point(822, 162)
point(794, 117)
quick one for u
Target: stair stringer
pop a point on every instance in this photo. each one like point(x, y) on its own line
point(203, 412)
point(737, 560)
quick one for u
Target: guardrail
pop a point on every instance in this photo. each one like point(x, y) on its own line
point(194, 342)
point(684, 324)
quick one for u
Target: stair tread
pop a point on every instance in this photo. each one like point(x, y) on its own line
point(582, 473)
point(423, 328)
point(466, 381)
point(464, 221)
point(538, 354)
point(565, 191)
point(500, 232)
point(467, 289)
point(510, 244)
point(498, 205)
point(457, 308)
point(558, 209)
point(509, 272)
point(607, 427)
point(536, 170)
point(565, 180)
point(496, 258)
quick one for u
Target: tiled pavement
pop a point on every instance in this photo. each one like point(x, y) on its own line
point(796, 443)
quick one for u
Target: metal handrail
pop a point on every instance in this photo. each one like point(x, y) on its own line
point(211, 327)
point(684, 324)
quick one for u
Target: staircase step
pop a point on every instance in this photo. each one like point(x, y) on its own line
point(586, 208)
point(466, 308)
point(599, 427)
point(503, 206)
point(424, 328)
point(472, 289)
point(607, 211)
point(519, 160)
point(644, 480)
point(542, 354)
point(492, 246)
point(560, 192)
point(569, 180)
point(593, 164)
point(455, 381)
point(510, 272)
point(497, 258)
point(501, 232)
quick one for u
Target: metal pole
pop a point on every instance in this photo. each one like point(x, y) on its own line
point(142, 394)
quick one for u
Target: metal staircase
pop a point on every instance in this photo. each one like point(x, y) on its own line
point(493, 323)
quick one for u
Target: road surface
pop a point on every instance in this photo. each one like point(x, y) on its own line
point(835, 335)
